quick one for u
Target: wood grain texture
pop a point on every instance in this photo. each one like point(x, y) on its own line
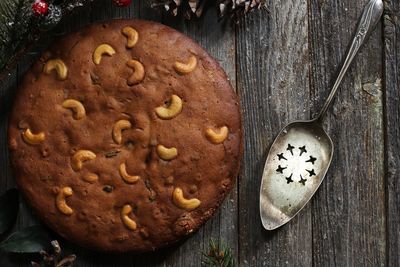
point(349, 209)
point(273, 70)
point(219, 41)
point(392, 133)
point(6, 180)
point(283, 64)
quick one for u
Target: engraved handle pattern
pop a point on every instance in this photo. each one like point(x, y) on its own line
point(370, 17)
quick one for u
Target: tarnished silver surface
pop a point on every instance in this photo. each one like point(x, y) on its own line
point(302, 152)
point(295, 167)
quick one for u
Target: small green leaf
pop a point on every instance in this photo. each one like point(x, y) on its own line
point(8, 209)
point(29, 240)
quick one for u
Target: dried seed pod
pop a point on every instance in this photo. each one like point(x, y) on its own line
point(234, 9)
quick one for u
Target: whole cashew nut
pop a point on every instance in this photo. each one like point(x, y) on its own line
point(138, 72)
point(183, 203)
point(79, 157)
point(59, 66)
point(174, 108)
point(167, 153)
point(103, 49)
point(132, 36)
point(119, 126)
point(217, 137)
point(77, 108)
point(185, 68)
point(61, 203)
point(130, 179)
point(33, 139)
point(126, 210)
point(91, 177)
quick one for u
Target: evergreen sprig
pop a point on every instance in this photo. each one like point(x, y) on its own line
point(218, 255)
point(20, 28)
point(15, 26)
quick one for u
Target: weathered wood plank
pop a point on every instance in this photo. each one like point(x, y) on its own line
point(345, 224)
point(219, 41)
point(392, 134)
point(349, 210)
point(273, 71)
point(8, 89)
point(6, 181)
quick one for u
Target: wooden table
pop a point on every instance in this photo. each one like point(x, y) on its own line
point(282, 64)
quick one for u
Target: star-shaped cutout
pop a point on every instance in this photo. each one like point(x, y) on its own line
point(290, 148)
point(280, 169)
point(302, 150)
point(311, 173)
point(289, 179)
point(302, 180)
point(281, 156)
point(312, 160)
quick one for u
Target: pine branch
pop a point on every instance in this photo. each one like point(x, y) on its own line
point(15, 21)
point(20, 28)
point(218, 255)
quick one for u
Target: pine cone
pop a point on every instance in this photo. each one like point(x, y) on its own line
point(234, 9)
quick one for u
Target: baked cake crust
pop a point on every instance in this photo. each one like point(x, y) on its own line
point(125, 136)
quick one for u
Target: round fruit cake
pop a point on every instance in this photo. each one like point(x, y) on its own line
point(125, 136)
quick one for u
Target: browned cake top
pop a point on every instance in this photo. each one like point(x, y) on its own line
point(125, 136)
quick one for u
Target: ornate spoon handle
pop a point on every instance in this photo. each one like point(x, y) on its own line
point(370, 17)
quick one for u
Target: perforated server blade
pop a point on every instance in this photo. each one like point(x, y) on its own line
point(302, 152)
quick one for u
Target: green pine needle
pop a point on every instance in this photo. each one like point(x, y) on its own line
point(218, 255)
point(20, 29)
point(15, 21)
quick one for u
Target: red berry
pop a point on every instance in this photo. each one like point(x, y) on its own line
point(122, 3)
point(40, 8)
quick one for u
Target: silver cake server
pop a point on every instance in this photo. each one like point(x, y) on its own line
point(302, 152)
